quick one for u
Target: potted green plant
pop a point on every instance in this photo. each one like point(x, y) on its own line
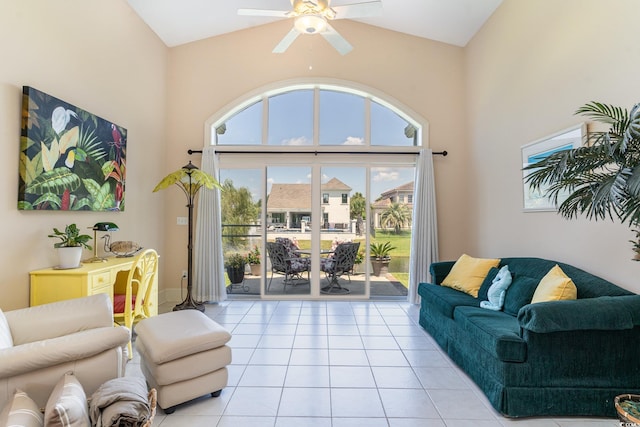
point(234, 264)
point(70, 245)
point(359, 259)
point(601, 177)
point(380, 257)
point(253, 259)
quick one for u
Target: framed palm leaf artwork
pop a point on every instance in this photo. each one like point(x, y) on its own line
point(70, 159)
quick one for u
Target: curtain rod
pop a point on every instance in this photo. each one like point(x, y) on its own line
point(440, 153)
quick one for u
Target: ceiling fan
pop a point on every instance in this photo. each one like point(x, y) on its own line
point(312, 16)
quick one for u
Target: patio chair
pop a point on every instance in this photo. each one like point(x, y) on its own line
point(282, 262)
point(291, 246)
point(337, 265)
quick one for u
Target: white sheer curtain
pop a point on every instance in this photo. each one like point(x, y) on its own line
point(424, 238)
point(209, 283)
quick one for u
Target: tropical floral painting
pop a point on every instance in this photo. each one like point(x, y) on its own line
point(69, 159)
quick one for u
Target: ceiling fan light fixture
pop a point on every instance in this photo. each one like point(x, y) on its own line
point(310, 24)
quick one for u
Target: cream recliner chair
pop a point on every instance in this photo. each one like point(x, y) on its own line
point(48, 340)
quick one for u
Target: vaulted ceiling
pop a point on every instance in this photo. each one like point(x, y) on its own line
point(450, 21)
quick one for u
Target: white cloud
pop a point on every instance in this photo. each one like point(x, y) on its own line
point(354, 140)
point(301, 140)
point(386, 176)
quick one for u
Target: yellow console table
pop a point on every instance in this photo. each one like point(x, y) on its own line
point(51, 284)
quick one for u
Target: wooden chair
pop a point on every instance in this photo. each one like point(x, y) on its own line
point(132, 297)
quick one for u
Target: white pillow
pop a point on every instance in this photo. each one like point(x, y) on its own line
point(6, 340)
point(67, 406)
point(21, 411)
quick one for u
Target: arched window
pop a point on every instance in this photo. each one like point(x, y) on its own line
point(317, 165)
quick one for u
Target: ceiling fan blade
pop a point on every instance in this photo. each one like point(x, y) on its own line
point(336, 40)
point(264, 12)
point(358, 10)
point(286, 41)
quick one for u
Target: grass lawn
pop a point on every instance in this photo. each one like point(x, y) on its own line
point(401, 241)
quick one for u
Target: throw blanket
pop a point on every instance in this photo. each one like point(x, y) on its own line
point(121, 402)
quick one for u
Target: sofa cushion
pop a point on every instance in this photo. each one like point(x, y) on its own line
point(486, 283)
point(555, 286)
point(519, 293)
point(468, 273)
point(444, 299)
point(67, 405)
point(21, 411)
point(6, 340)
point(589, 286)
point(119, 301)
point(496, 332)
point(601, 313)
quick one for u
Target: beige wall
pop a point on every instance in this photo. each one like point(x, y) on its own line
point(206, 76)
point(98, 56)
point(520, 78)
point(527, 71)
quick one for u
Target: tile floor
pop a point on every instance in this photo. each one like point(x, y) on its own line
point(340, 364)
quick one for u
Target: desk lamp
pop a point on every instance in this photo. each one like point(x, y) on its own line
point(100, 226)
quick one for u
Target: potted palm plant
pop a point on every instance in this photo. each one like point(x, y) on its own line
point(380, 257)
point(253, 259)
point(602, 177)
point(70, 245)
point(234, 264)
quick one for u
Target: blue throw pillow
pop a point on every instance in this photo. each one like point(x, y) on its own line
point(498, 290)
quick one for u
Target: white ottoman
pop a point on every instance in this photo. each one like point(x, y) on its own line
point(183, 356)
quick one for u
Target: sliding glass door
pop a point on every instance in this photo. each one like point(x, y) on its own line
point(342, 231)
point(316, 230)
point(288, 230)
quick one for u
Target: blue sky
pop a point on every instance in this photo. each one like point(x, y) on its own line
point(341, 121)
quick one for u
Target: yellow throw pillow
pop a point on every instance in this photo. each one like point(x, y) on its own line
point(467, 274)
point(555, 286)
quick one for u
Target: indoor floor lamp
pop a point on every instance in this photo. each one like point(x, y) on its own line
point(190, 180)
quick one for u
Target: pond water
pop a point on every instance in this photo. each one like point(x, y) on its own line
point(399, 264)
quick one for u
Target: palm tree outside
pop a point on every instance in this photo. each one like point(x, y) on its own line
point(396, 216)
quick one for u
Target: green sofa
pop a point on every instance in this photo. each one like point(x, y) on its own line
point(550, 358)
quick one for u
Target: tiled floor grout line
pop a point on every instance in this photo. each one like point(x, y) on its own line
point(264, 324)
